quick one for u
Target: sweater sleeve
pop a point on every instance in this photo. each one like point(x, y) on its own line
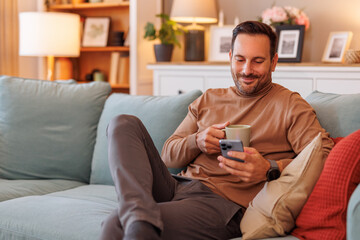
point(303, 126)
point(181, 148)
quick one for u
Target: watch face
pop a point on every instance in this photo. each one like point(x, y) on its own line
point(273, 174)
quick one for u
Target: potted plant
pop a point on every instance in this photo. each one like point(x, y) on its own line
point(167, 35)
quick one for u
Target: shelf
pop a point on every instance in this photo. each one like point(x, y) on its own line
point(87, 5)
point(105, 49)
point(122, 86)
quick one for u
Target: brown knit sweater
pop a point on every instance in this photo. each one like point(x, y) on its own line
point(282, 124)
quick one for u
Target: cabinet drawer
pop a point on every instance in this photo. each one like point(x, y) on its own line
point(219, 82)
point(340, 86)
point(304, 86)
point(177, 85)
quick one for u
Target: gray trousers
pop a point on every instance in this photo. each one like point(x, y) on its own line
point(181, 208)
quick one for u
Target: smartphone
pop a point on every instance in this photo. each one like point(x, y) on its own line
point(227, 145)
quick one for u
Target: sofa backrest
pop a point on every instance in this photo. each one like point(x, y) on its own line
point(48, 129)
point(160, 115)
point(338, 114)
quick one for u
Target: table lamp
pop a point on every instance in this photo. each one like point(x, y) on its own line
point(49, 34)
point(190, 11)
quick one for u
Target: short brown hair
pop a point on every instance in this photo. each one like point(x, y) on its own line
point(254, 27)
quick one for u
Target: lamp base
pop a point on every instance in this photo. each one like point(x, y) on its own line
point(194, 45)
point(50, 68)
point(63, 69)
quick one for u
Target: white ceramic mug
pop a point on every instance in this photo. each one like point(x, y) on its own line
point(239, 132)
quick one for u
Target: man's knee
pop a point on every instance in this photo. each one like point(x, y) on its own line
point(121, 123)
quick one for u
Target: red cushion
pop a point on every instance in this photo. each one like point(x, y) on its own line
point(324, 214)
point(336, 140)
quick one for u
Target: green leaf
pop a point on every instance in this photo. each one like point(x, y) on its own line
point(150, 31)
point(168, 32)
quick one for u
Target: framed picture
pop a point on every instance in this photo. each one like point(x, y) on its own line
point(290, 42)
point(220, 43)
point(96, 32)
point(336, 46)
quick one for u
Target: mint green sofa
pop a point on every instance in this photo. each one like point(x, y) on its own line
point(54, 177)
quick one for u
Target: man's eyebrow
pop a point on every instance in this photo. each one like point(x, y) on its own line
point(262, 58)
point(238, 55)
point(257, 57)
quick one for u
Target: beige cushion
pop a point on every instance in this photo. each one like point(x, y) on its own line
point(274, 209)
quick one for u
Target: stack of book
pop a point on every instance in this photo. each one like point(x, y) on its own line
point(119, 69)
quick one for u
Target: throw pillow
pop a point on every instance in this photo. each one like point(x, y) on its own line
point(274, 209)
point(48, 129)
point(324, 214)
point(160, 115)
point(337, 140)
point(339, 114)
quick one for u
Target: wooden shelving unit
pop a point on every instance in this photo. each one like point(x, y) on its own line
point(54, 7)
point(105, 49)
point(99, 57)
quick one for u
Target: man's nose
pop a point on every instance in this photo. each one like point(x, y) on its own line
point(247, 69)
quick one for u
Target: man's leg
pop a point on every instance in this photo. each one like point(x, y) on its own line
point(140, 176)
point(197, 213)
point(111, 227)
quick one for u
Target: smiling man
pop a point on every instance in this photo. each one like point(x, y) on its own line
point(252, 58)
point(208, 199)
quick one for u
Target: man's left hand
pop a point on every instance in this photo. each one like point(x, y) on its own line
point(254, 168)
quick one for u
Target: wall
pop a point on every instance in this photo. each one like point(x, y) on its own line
point(325, 17)
point(143, 11)
point(28, 66)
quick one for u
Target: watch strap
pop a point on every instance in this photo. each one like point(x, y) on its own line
point(273, 164)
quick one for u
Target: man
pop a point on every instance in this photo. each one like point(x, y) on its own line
point(207, 200)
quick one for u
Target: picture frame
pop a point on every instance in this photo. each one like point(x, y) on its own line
point(337, 44)
point(96, 32)
point(290, 42)
point(220, 43)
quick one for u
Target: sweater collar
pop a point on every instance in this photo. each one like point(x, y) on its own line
point(262, 91)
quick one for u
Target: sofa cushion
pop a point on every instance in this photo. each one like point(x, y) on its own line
point(48, 129)
point(339, 114)
point(160, 115)
point(10, 189)
point(274, 209)
point(338, 180)
point(75, 214)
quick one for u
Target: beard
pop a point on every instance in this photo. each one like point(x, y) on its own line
point(254, 87)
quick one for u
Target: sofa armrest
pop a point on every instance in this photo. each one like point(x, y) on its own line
point(353, 215)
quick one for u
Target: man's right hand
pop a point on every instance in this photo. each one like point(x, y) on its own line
point(208, 139)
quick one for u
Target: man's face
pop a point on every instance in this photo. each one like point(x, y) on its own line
point(251, 64)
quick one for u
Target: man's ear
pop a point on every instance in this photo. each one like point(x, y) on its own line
point(230, 54)
point(274, 62)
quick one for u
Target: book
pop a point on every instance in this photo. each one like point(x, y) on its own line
point(114, 63)
point(123, 71)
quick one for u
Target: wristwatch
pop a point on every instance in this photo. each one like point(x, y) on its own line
point(274, 171)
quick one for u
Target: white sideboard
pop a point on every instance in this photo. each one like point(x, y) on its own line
point(174, 78)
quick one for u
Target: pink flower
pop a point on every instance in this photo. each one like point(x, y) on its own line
point(303, 20)
point(292, 11)
point(274, 14)
point(285, 15)
point(278, 15)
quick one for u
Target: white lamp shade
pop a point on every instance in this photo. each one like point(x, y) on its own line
point(49, 34)
point(194, 11)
